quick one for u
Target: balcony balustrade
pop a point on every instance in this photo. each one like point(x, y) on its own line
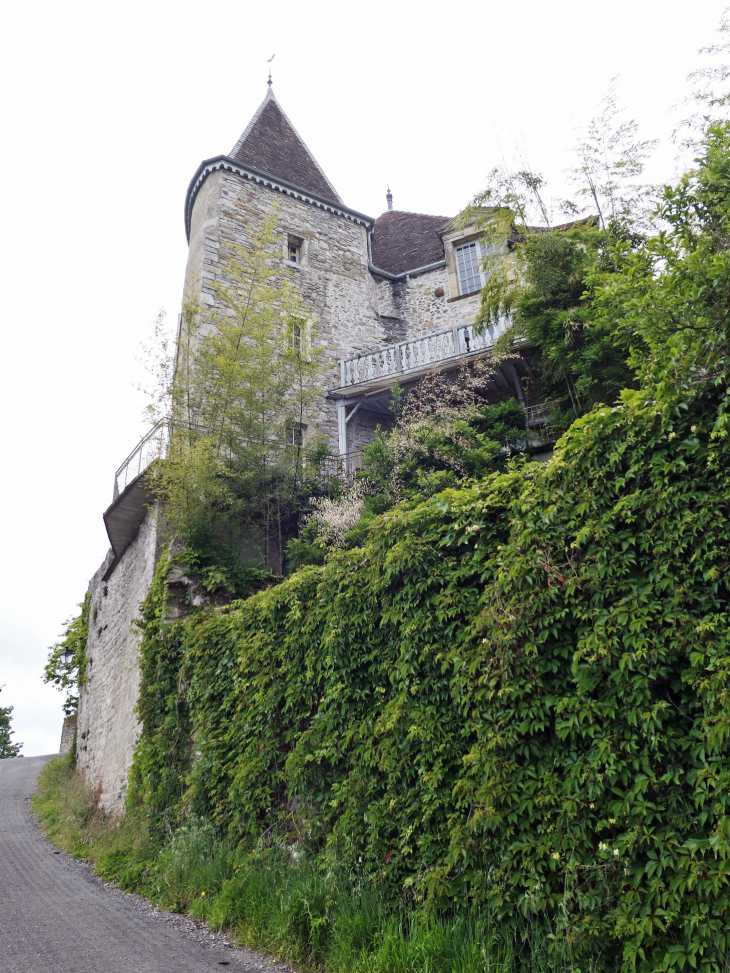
point(418, 354)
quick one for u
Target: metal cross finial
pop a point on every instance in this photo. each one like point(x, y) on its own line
point(269, 62)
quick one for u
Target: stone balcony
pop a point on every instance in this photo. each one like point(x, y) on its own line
point(409, 360)
point(366, 380)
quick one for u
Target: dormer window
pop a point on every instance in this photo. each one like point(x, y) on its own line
point(467, 266)
point(294, 250)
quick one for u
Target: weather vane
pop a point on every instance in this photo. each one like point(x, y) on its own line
point(269, 62)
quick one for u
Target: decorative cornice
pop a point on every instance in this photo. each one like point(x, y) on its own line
point(225, 162)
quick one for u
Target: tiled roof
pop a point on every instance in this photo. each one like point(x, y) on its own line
point(405, 241)
point(272, 145)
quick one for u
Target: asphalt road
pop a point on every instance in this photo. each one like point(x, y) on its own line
point(56, 917)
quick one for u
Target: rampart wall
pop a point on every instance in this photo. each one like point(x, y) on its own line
point(107, 727)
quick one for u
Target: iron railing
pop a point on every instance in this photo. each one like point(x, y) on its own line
point(539, 424)
point(152, 446)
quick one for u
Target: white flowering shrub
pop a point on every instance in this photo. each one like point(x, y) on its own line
point(336, 518)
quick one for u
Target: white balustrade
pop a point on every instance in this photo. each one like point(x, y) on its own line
point(418, 353)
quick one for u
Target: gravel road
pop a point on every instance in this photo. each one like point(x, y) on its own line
point(56, 917)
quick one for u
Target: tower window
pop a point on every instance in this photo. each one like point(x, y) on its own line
point(467, 265)
point(294, 249)
point(296, 334)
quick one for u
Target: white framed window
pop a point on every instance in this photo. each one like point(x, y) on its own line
point(295, 435)
point(468, 257)
point(297, 334)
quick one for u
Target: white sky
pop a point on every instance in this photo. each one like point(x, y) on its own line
point(106, 111)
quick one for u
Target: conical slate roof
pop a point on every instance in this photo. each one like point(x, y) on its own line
point(271, 144)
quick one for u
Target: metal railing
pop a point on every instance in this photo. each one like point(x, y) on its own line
point(540, 425)
point(342, 467)
point(151, 447)
point(425, 351)
point(154, 445)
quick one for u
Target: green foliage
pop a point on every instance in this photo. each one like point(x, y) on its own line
point(162, 755)
point(545, 278)
point(7, 749)
point(671, 298)
point(514, 694)
point(307, 548)
point(233, 579)
point(71, 676)
point(276, 898)
point(247, 370)
point(446, 434)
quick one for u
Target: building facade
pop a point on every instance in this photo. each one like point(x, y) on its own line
point(393, 298)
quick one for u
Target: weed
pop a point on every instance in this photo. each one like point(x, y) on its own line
point(327, 918)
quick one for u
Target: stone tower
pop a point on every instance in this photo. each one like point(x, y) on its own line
point(323, 243)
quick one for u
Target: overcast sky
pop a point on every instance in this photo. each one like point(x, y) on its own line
point(106, 111)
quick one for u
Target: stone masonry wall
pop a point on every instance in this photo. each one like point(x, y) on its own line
point(362, 428)
point(415, 301)
point(107, 728)
point(67, 734)
point(333, 280)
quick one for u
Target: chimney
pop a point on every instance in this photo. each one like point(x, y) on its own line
point(389, 197)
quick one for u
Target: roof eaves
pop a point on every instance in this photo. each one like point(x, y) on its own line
point(405, 273)
point(208, 166)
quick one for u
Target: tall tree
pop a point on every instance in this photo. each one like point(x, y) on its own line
point(538, 274)
point(247, 370)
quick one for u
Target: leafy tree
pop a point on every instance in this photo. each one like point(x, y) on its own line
point(7, 749)
point(70, 676)
point(610, 163)
point(246, 371)
point(539, 274)
point(672, 297)
point(709, 95)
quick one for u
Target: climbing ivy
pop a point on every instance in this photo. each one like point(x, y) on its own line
point(513, 695)
point(162, 755)
point(70, 676)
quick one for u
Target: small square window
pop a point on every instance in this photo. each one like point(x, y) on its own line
point(294, 435)
point(294, 249)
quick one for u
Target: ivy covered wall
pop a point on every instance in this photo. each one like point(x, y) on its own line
point(513, 693)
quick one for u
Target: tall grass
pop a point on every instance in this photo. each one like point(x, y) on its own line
point(291, 905)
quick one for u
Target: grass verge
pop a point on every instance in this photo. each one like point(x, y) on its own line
point(330, 920)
